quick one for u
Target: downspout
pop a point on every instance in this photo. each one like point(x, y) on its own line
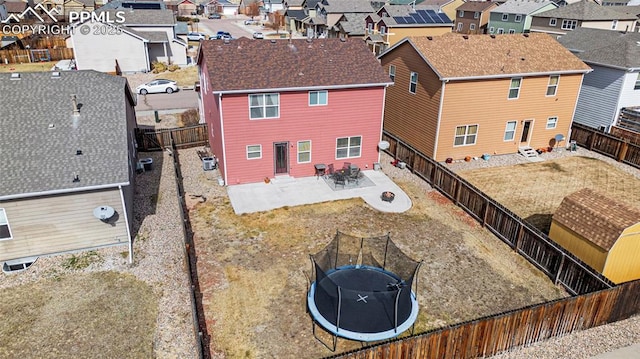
point(384, 98)
point(146, 56)
point(435, 145)
point(224, 156)
point(126, 222)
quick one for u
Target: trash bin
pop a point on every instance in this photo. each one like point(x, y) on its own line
point(573, 146)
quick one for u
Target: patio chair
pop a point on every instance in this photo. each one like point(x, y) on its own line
point(354, 176)
point(330, 170)
point(347, 167)
point(339, 178)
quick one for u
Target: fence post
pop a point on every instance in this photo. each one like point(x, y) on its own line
point(516, 245)
point(624, 146)
point(557, 278)
point(591, 140)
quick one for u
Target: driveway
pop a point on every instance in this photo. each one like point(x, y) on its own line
point(182, 99)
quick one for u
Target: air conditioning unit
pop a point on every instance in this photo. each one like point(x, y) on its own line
point(209, 163)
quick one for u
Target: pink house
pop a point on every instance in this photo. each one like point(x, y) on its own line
point(279, 107)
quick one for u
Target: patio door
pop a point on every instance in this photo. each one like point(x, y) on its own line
point(526, 131)
point(281, 157)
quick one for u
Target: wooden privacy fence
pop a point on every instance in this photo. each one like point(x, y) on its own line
point(596, 300)
point(157, 140)
point(26, 56)
point(560, 265)
point(606, 144)
point(498, 333)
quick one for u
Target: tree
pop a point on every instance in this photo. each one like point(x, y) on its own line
point(252, 10)
point(276, 21)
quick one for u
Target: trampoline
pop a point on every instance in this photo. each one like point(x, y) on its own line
point(362, 289)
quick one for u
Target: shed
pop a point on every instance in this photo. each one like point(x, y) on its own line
point(603, 232)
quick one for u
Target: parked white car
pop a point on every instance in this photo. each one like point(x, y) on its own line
point(196, 36)
point(157, 86)
point(258, 35)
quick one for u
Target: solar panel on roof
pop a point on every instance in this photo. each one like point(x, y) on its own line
point(400, 20)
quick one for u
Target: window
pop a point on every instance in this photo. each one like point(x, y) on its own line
point(637, 86)
point(518, 18)
point(460, 13)
point(465, 135)
point(392, 72)
point(510, 131)
point(500, 31)
point(552, 122)
point(370, 26)
point(383, 30)
point(347, 147)
point(304, 151)
point(514, 87)
point(254, 152)
point(553, 22)
point(413, 82)
point(318, 98)
point(491, 30)
point(512, 31)
point(614, 24)
point(552, 87)
point(5, 231)
point(569, 24)
point(264, 106)
point(476, 15)
point(472, 26)
point(460, 26)
point(505, 17)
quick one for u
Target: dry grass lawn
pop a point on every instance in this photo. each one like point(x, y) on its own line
point(184, 77)
point(96, 315)
point(28, 67)
point(254, 268)
point(534, 190)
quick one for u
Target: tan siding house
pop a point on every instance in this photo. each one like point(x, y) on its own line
point(601, 231)
point(458, 96)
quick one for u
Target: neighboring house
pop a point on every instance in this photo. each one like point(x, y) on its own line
point(323, 20)
point(392, 23)
point(614, 83)
point(446, 6)
point(135, 5)
point(186, 7)
point(351, 25)
point(14, 7)
point(514, 16)
point(146, 36)
point(68, 149)
point(271, 6)
point(78, 6)
point(3, 11)
point(584, 13)
point(223, 7)
point(472, 17)
point(322, 102)
point(601, 231)
point(520, 93)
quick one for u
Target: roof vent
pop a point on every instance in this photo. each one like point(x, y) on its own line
point(493, 36)
point(429, 37)
point(76, 178)
point(78, 152)
point(525, 35)
point(55, 74)
point(309, 39)
point(342, 39)
point(52, 126)
point(226, 40)
point(273, 41)
point(465, 37)
point(15, 76)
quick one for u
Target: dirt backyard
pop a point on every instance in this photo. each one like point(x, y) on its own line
point(254, 269)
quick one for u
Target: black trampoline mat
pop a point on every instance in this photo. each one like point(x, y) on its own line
point(362, 279)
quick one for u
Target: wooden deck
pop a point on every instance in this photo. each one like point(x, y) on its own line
point(62, 223)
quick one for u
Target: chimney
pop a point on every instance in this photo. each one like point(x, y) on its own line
point(74, 102)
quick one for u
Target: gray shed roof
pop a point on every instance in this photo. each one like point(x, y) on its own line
point(144, 17)
point(36, 158)
point(524, 7)
point(586, 10)
point(604, 47)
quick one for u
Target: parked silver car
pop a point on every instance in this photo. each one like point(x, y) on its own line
point(157, 86)
point(196, 36)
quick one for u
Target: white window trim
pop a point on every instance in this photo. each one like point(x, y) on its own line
point(505, 15)
point(383, 30)
point(392, 73)
point(500, 30)
point(555, 123)
point(472, 26)
point(298, 151)
point(460, 13)
point(411, 82)
point(614, 24)
point(572, 24)
point(512, 31)
point(553, 22)
point(349, 146)
point(370, 27)
point(264, 106)
point(518, 18)
point(513, 88)
point(460, 25)
point(259, 151)
point(6, 223)
point(506, 129)
point(476, 15)
point(549, 85)
point(491, 30)
point(466, 134)
point(318, 104)
point(637, 85)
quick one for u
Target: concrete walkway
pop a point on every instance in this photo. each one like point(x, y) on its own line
point(288, 191)
point(630, 352)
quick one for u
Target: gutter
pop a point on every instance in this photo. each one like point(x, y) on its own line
point(62, 191)
point(284, 89)
point(526, 74)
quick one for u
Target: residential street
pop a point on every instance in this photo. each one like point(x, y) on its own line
point(183, 99)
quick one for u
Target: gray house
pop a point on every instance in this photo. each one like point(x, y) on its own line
point(614, 83)
point(68, 163)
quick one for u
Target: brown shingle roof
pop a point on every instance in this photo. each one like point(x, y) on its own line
point(246, 65)
point(476, 6)
point(455, 56)
point(596, 217)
